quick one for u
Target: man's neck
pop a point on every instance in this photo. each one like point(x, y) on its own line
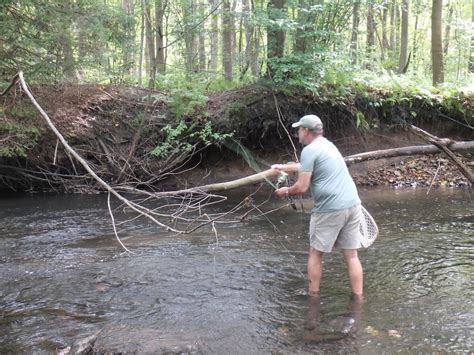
point(316, 137)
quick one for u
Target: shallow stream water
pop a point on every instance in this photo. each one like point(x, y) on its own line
point(64, 278)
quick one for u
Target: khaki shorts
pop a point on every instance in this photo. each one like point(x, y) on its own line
point(338, 229)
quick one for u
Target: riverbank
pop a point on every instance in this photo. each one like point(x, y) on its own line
point(157, 141)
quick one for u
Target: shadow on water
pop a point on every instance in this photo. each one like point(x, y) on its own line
point(64, 278)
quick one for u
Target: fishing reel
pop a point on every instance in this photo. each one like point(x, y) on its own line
point(282, 179)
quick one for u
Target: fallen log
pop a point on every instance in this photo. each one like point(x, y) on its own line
point(404, 151)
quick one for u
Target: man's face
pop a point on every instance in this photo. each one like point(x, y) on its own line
point(302, 135)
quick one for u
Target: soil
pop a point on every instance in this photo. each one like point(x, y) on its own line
point(108, 124)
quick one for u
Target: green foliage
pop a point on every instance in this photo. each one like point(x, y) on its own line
point(185, 102)
point(16, 138)
point(183, 138)
point(299, 71)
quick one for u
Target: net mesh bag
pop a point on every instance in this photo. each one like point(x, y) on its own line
point(368, 228)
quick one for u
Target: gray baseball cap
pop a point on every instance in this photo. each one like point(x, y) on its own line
point(309, 121)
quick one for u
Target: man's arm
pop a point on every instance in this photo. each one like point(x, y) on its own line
point(287, 168)
point(298, 188)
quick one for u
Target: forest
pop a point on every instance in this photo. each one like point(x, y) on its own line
point(222, 44)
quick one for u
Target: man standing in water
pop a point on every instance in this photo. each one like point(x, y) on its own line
point(336, 213)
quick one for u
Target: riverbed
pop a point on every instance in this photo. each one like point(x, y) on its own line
point(65, 278)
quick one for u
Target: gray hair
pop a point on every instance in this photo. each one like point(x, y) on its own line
point(317, 131)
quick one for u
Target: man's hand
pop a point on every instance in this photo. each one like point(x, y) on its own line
point(278, 167)
point(282, 192)
point(287, 168)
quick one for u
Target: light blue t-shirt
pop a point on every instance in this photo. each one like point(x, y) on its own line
point(332, 186)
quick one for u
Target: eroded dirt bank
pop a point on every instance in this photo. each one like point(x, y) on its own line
point(119, 130)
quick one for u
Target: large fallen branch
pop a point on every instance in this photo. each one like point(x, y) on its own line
point(137, 208)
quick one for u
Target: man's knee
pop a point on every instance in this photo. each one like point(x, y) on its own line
point(351, 256)
point(314, 253)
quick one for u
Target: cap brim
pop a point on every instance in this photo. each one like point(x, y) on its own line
point(296, 124)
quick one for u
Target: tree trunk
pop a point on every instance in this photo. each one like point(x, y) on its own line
point(248, 28)
point(68, 61)
point(189, 36)
point(142, 40)
point(404, 38)
point(69, 65)
point(355, 30)
point(447, 30)
point(214, 37)
point(254, 67)
point(160, 6)
point(415, 44)
point(275, 35)
point(150, 44)
point(370, 26)
point(302, 31)
point(227, 41)
point(384, 25)
point(471, 57)
point(437, 42)
point(128, 7)
point(393, 25)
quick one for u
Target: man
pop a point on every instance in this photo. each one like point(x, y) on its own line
point(336, 213)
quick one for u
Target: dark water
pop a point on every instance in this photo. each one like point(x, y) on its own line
point(64, 278)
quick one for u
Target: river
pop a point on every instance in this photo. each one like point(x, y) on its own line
point(65, 278)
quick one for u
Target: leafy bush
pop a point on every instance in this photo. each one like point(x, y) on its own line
point(182, 138)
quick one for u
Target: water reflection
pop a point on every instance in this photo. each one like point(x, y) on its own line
point(344, 327)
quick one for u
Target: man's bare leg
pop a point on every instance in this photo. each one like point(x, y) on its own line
point(354, 268)
point(315, 270)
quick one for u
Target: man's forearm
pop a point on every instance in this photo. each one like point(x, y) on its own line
point(288, 168)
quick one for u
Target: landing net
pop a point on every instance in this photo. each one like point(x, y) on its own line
point(368, 228)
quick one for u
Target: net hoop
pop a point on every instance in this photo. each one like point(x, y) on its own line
point(368, 228)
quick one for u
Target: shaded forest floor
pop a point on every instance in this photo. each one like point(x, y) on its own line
point(116, 128)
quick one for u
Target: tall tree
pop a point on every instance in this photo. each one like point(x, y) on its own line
point(142, 42)
point(202, 38)
point(384, 25)
point(471, 57)
point(370, 25)
point(402, 67)
point(275, 33)
point(128, 51)
point(214, 36)
point(355, 30)
point(66, 41)
point(437, 41)
point(227, 37)
point(150, 41)
point(160, 7)
point(190, 40)
point(304, 25)
point(447, 30)
point(393, 25)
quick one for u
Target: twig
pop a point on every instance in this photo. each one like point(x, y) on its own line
point(434, 177)
point(113, 225)
point(283, 125)
point(56, 152)
point(12, 83)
